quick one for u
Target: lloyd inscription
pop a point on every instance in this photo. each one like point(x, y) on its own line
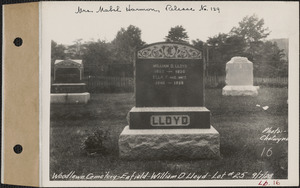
point(170, 120)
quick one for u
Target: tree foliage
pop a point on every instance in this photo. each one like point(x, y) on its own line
point(247, 40)
point(199, 44)
point(270, 61)
point(177, 34)
point(127, 41)
point(99, 56)
point(220, 49)
point(251, 29)
point(75, 51)
point(57, 52)
point(96, 56)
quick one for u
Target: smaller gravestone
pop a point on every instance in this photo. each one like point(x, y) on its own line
point(239, 78)
point(68, 86)
point(68, 71)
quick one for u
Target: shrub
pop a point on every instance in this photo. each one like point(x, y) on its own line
point(96, 143)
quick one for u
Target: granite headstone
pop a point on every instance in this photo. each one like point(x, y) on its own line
point(169, 89)
point(169, 119)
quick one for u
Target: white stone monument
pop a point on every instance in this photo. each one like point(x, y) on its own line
point(239, 78)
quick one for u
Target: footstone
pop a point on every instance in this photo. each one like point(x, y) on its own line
point(169, 144)
point(169, 118)
point(70, 98)
point(240, 91)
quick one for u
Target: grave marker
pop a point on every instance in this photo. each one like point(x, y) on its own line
point(169, 115)
point(239, 78)
point(68, 86)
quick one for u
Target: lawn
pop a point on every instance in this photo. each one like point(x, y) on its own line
point(239, 121)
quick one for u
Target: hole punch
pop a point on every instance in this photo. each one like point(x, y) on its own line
point(18, 42)
point(18, 149)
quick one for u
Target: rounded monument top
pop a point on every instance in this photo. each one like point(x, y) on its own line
point(239, 59)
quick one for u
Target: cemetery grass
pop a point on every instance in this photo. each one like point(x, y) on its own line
point(239, 121)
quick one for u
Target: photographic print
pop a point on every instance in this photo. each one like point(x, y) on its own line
point(169, 93)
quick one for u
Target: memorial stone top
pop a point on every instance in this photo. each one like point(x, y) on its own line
point(68, 71)
point(169, 75)
point(239, 71)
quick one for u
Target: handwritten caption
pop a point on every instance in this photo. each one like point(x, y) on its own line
point(72, 175)
point(131, 8)
point(269, 182)
point(273, 135)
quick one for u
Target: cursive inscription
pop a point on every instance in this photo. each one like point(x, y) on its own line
point(131, 9)
point(164, 175)
point(110, 9)
point(275, 135)
point(81, 10)
point(176, 8)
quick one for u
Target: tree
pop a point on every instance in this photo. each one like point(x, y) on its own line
point(96, 56)
point(177, 34)
point(57, 52)
point(127, 41)
point(75, 51)
point(270, 61)
point(251, 29)
point(220, 49)
point(199, 44)
point(202, 46)
point(246, 40)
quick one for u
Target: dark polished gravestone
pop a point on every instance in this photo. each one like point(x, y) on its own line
point(68, 86)
point(169, 89)
point(169, 119)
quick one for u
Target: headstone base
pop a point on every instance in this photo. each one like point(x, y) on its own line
point(155, 144)
point(68, 88)
point(70, 98)
point(240, 91)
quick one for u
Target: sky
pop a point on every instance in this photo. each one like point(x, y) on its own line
point(61, 22)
